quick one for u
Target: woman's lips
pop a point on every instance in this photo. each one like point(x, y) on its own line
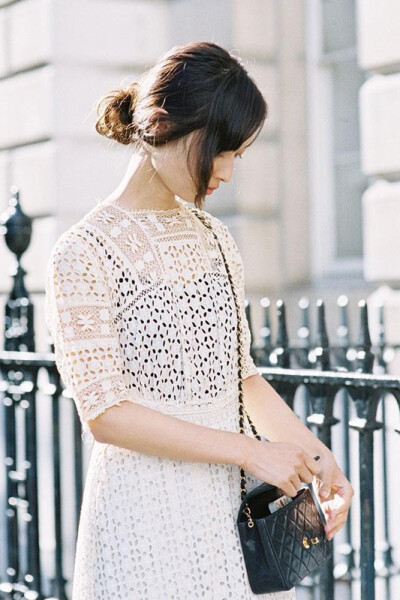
point(210, 190)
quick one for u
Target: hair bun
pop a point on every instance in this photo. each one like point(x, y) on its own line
point(116, 114)
point(196, 87)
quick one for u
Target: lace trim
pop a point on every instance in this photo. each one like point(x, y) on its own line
point(126, 209)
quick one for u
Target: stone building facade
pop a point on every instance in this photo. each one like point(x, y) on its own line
point(315, 203)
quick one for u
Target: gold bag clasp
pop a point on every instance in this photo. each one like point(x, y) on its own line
point(306, 541)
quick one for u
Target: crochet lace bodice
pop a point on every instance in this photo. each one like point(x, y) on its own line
point(139, 307)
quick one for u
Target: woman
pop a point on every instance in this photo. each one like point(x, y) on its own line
point(141, 312)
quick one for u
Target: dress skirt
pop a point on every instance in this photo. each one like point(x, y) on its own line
point(152, 528)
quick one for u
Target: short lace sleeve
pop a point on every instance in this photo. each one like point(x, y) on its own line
point(236, 266)
point(79, 316)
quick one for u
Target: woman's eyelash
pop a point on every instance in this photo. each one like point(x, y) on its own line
point(236, 155)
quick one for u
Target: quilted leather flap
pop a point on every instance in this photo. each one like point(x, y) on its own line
point(297, 536)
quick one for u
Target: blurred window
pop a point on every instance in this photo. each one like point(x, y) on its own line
point(334, 67)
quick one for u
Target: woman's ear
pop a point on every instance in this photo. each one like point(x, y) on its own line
point(157, 124)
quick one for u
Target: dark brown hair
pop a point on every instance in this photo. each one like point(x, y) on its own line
point(202, 87)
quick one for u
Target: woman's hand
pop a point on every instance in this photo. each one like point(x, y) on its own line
point(335, 493)
point(284, 465)
point(287, 466)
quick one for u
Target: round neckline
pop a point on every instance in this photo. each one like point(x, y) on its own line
point(163, 211)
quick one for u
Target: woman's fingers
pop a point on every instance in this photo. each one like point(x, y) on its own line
point(296, 482)
point(312, 465)
point(290, 490)
point(332, 528)
point(347, 495)
point(306, 468)
point(337, 516)
point(306, 475)
point(290, 487)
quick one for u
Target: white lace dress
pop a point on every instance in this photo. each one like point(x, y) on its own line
point(139, 307)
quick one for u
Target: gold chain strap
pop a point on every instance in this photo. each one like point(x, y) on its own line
point(242, 410)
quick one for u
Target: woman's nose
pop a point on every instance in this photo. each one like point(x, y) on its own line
point(225, 171)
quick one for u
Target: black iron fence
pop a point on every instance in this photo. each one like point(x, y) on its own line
point(341, 390)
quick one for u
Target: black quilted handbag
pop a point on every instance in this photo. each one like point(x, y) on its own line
point(280, 548)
